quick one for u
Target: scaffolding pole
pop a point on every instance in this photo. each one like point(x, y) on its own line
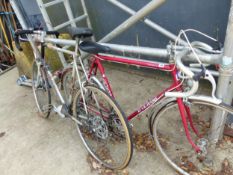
point(147, 9)
point(225, 85)
point(148, 22)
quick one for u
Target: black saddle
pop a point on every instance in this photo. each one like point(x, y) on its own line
point(79, 32)
point(93, 48)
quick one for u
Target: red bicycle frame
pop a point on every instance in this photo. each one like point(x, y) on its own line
point(176, 85)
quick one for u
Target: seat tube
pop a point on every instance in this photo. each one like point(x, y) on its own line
point(104, 77)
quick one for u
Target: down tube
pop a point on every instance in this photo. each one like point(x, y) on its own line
point(160, 96)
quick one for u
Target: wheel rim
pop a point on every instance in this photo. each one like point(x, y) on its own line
point(172, 142)
point(41, 93)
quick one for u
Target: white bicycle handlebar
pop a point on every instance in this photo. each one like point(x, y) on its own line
point(188, 73)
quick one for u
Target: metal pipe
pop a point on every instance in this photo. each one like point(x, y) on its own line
point(133, 19)
point(88, 19)
point(60, 41)
point(69, 13)
point(225, 85)
point(162, 53)
point(60, 49)
point(153, 52)
point(45, 14)
point(138, 50)
point(53, 3)
point(64, 50)
point(147, 21)
point(73, 21)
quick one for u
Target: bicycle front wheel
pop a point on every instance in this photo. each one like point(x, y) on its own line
point(171, 140)
point(104, 130)
point(41, 91)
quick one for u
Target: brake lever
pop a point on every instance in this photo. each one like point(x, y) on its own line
point(197, 76)
point(207, 76)
point(210, 78)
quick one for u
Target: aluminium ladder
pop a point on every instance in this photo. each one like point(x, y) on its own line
point(72, 21)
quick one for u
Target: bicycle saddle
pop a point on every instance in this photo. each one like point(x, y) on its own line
point(93, 48)
point(79, 32)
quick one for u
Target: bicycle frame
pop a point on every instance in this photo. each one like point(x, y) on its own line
point(96, 65)
point(176, 85)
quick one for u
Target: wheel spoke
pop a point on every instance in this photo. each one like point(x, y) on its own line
point(104, 132)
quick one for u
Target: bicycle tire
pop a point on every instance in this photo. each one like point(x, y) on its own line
point(41, 91)
point(173, 144)
point(111, 122)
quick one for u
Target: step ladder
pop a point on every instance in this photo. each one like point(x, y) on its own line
point(71, 20)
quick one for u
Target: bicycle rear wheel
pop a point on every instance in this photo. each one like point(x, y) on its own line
point(41, 91)
point(171, 140)
point(104, 130)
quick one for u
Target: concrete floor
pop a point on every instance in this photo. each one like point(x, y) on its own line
point(35, 146)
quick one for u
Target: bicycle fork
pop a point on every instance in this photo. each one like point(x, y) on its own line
point(201, 146)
